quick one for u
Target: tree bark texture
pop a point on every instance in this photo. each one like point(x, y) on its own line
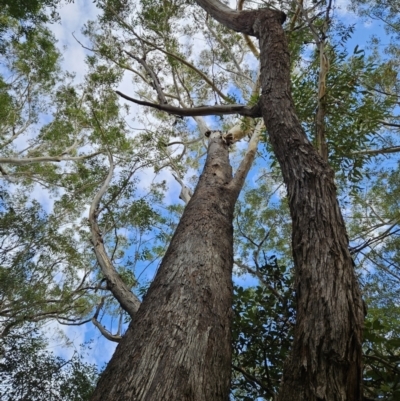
point(178, 345)
point(325, 362)
point(326, 358)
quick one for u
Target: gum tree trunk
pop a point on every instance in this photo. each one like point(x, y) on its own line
point(326, 358)
point(325, 363)
point(178, 345)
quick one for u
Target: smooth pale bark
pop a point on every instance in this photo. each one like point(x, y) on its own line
point(326, 358)
point(178, 345)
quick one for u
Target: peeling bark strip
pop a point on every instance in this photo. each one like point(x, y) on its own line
point(178, 345)
point(325, 363)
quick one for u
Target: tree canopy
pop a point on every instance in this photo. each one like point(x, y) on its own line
point(109, 156)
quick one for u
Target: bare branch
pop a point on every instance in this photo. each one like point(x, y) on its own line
point(190, 65)
point(154, 78)
point(257, 251)
point(128, 301)
point(6, 176)
point(381, 266)
point(227, 49)
point(309, 23)
point(186, 192)
point(72, 323)
point(116, 62)
point(246, 38)
point(324, 66)
point(16, 134)
point(292, 23)
point(184, 143)
point(185, 88)
point(199, 111)
point(239, 21)
point(388, 124)
point(253, 380)
point(244, 167)
point(202, 125)
point(44, 159)
point(373, 240)
point(74, 146)
point(382, 151)
point(105, 332)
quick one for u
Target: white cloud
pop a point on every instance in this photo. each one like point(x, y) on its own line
point(73, 18)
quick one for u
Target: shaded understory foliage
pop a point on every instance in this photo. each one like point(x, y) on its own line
point(28, 371)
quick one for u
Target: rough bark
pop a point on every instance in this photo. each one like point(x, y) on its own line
point(178, 345)
point(320, 126)
point(325, 362)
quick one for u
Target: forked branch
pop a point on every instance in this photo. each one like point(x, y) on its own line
point(109, 336)
point(128, 301)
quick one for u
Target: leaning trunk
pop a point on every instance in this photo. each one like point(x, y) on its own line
point(178, 345)
point(325, 362)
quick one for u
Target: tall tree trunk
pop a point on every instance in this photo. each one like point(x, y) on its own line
point(325, 362)
point(178, 345)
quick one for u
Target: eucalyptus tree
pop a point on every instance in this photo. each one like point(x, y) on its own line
point(325, 361)
point(337, 113)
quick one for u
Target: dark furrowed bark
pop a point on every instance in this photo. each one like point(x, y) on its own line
point(178, 345)
point(325, 362)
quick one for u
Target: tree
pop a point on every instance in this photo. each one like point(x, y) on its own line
point(187, 306)
point(325, 361)
point(29, 372)
point(341, 100)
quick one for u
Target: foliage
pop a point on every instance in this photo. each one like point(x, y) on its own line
point(55, 136)
point(45, 247)
point(40, 267)
point(28, 371)
point(262, 332)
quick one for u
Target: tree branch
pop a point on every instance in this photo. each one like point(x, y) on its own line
point(388, 124)
point(261, 278)
point(128, 301)
point(239, 21)
point(44, 159)
point(227, 49)
point(246, 38)
point(199, 111)
point(186, 192)
point(244, 167)
point(375, 239)
point(185, 143)
point(253, 380)
point(154, 78)
point(382, 151)
point(185, 62)
point(102, 329)
point(105, 332)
